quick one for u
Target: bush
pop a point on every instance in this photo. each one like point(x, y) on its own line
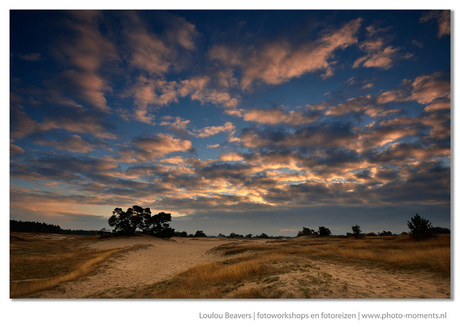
point(420, 228)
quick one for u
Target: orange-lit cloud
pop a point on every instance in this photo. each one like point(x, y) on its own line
point(442, 18)
point(274, 116)
point(73, 143)
point(89, 50)
point(281, 61)
point(88, 87)
point(427, 88)
point(379, 53)
point(228, 127)
point(157, 146)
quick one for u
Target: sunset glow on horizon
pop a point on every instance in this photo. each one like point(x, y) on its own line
point(232, 121)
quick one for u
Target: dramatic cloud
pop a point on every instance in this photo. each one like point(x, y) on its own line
point(432, 90)
point(279, 62)
point(428, 88)
point(145, 49)
point(88, 87)
point(231, 120)
point(157, 146)
point(89, 49)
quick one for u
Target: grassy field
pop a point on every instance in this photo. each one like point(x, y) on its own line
point(41, 261)
point(256, 270)
point(242, 269)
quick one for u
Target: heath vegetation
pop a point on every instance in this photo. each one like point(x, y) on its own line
point(236, 266)
point(287, 269)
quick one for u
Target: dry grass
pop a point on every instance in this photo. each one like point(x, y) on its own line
point(39, 262)
point(391, 252)
point(256, 264)
point(211, 280)
point(246, 269)
point(394, 252)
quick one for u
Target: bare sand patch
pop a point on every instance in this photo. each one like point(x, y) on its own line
point(154, 260)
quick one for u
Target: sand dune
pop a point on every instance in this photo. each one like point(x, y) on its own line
point(155, 260)
point(158, 260)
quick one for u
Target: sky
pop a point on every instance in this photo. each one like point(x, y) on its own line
point(232, 121)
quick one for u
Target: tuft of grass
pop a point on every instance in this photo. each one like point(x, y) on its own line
point(212, 280)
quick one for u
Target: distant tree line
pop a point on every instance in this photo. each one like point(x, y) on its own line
point(247, 236)
point(33, 227)
point(137, 218)
point(37, 227)
point(322, 231)
point(419, 229)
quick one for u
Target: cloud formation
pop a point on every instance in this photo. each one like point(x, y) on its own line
point(224, 119)
point(379, 54)
point(442, 18)
point(275, 116)
point(278, 62)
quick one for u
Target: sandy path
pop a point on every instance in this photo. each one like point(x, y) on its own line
point(158, 260)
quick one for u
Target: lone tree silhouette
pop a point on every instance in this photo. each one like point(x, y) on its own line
point(420, 228)
point(357, 231)
point(134, 218)
point(324, 231)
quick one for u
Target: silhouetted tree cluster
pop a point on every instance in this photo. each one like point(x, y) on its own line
point(306, 232)
point(420, 228)
point(181, 234)
point(199, 233)
point(79, 232)
point(322, 231)
point(357, 233)
point(235, 235)
point(262, 235)
point(33, 227)
point(136, 217)
point(441, 230)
